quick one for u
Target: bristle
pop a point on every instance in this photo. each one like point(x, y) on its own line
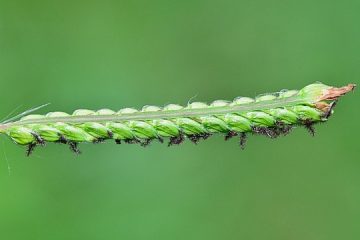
point(282, 128)
point(99, 140)
point(266, 131)
point(30, 149)
point(309, 125)
point(176, 140)
point(205, 135)
point(195, 138)
point(38, 139)
point(329, 111)
point(110, 134)
point(230, 134)
point(62, 139)
point(74, 147)
point(146, 142)
point(132, 141)
point(242, 140)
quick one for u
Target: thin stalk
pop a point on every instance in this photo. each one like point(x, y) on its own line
point(143, 116)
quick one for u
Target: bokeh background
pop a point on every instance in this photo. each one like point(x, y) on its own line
point(114, 54)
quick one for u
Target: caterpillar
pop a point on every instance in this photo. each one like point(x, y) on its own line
point(271, 115)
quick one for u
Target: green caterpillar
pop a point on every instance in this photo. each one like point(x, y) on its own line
point(271, 115)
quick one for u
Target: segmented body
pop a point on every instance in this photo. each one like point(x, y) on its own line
point(271, 115)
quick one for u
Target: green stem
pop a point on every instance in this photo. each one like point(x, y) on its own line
point(254, 106)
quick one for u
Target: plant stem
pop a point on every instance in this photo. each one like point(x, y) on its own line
point(142, 116)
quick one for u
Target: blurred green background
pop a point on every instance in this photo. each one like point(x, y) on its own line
point(114, 54)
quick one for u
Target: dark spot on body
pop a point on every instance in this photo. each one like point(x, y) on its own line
point(329, 111)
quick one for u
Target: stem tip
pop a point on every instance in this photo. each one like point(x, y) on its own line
point(334, 93)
